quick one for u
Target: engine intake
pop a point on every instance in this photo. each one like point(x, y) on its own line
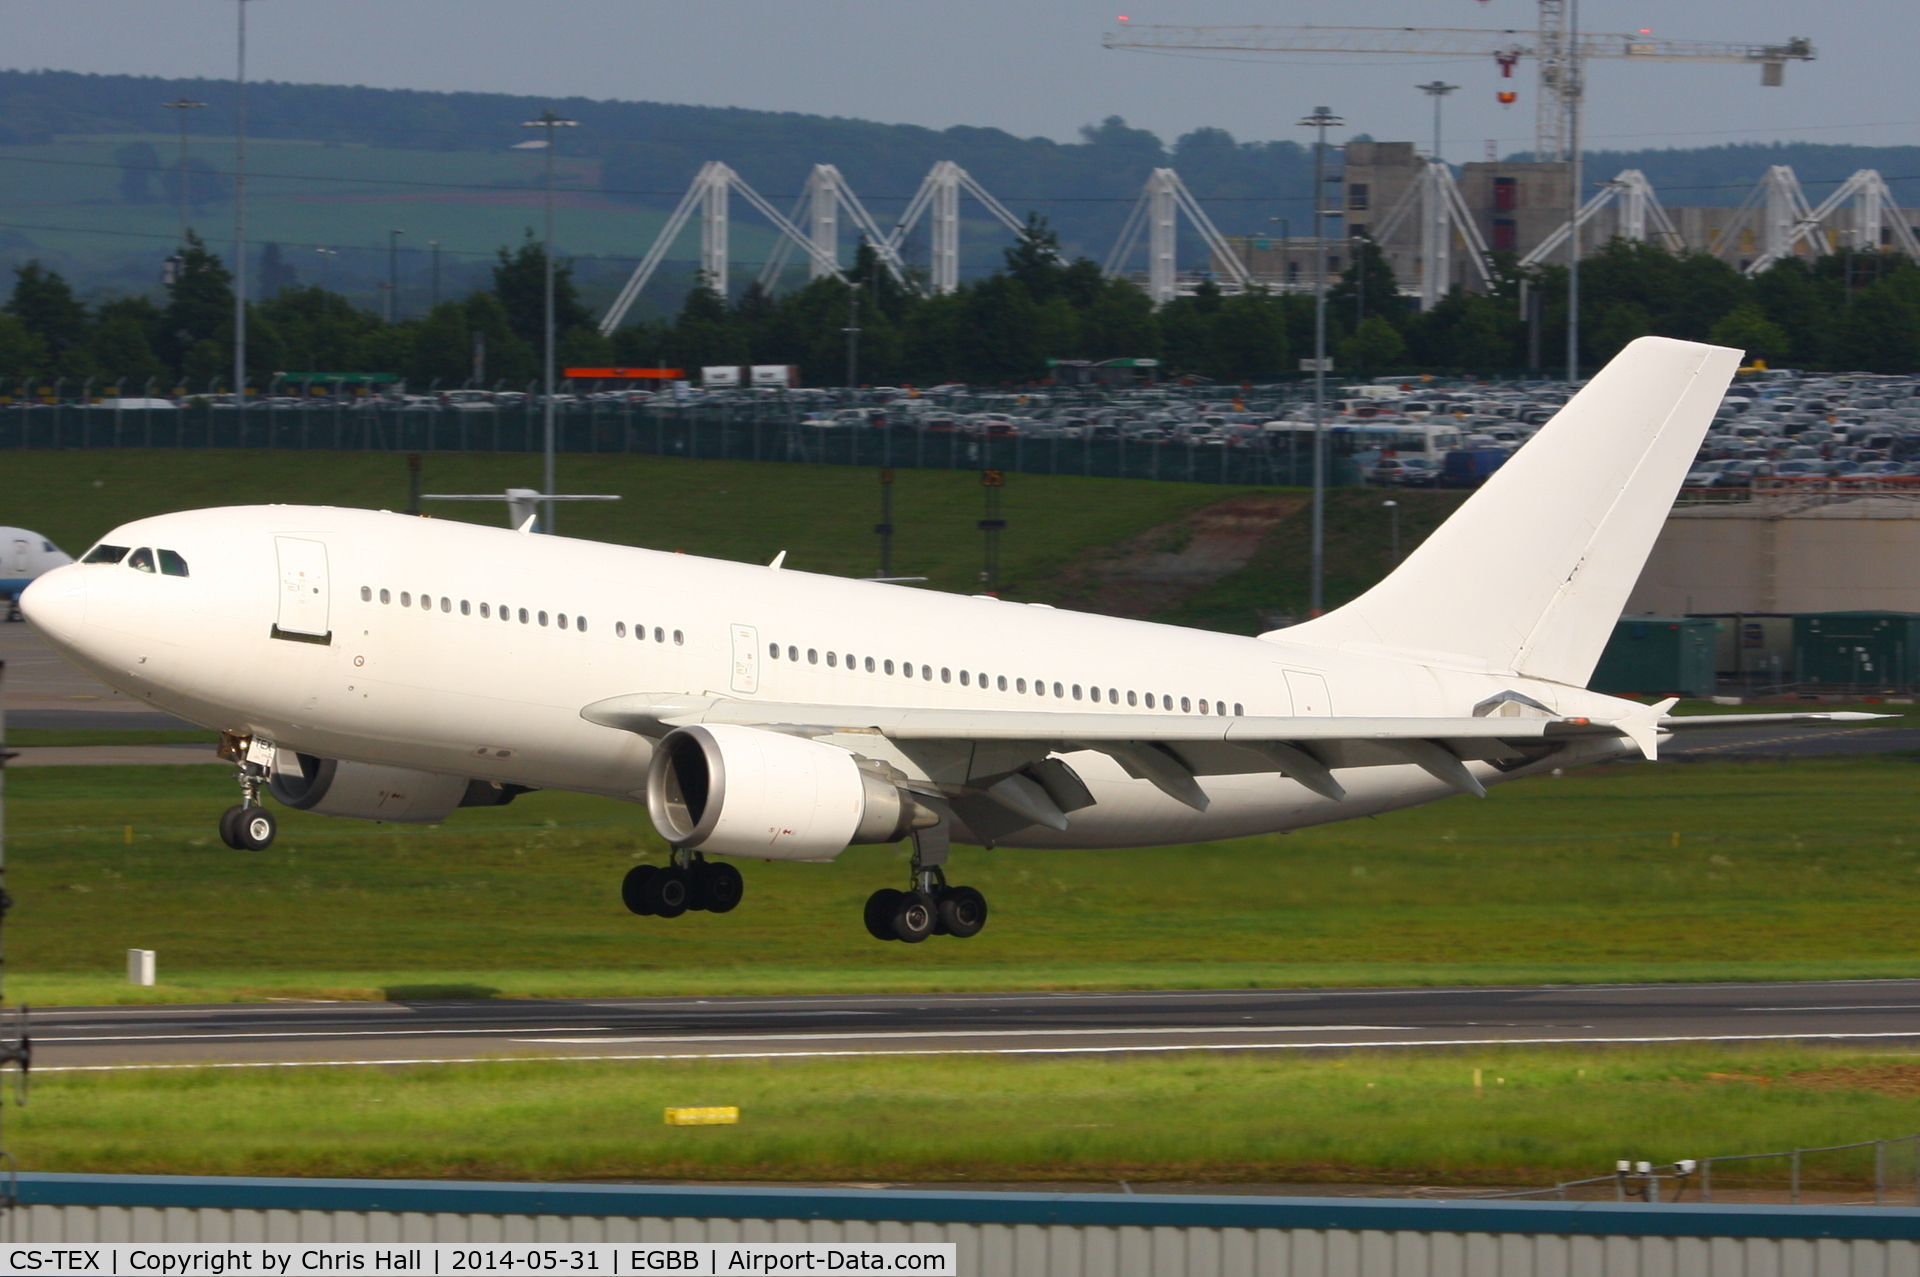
point(368, 791)
point(742, 791)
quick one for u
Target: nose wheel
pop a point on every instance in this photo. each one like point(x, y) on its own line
point(249, 826)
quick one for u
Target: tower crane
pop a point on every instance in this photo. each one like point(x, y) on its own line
point(1554, 45)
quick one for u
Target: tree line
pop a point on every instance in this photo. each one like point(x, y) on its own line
point(1845, 311)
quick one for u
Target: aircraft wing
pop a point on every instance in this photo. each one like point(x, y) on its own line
point(982, 748)
point(1695, 722)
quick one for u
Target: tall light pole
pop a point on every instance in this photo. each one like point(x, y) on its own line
point(853, 340)
point(1436, 90)
point(393, 274)
point(326, 265)
point(240, 213)
point(1393, 513)
point(1320, 121)
point(549, 120)
point(1574, 89)
point(180, 107)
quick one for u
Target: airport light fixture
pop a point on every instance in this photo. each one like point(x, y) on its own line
point(180, 106)
point(1575, 90)
point(1320, 121)
point(1393, 514)
point(240, 210)
point(1436, 89)
point(549, 120)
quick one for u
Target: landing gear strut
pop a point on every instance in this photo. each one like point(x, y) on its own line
point(690, 882)
point(249, 826)
point(930, 907)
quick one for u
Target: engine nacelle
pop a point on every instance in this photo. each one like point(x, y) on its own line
point(368, 791)
point(743, 791)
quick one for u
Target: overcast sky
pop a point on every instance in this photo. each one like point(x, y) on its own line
point(1033, 67)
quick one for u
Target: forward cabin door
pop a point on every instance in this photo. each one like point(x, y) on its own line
point(746, 659)
point(18, 565)
point(303, 591)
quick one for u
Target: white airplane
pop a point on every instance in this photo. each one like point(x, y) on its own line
point(372, 665)
point(24, 555)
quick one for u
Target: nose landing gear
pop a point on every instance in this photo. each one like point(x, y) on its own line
point(249, 826)
point(930, 907)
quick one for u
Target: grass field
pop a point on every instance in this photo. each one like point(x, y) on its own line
point(823, 515)
point(1539, 1116)
point(1697, 871)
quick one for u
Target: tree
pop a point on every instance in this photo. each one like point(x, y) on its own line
point(1619, 324)
point(199, 306)
point(1366, 287)
point(1374, 344)
point(121, 346)
point(519, 281)
point(44, 302)
point(22, 354)
point(1749, 329)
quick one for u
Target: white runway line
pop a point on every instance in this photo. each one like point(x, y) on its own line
point(980, 1033)
point(1021, 1050)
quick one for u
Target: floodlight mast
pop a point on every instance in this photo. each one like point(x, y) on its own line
point(549, 120)
point(180, 106)
point(1320, 121)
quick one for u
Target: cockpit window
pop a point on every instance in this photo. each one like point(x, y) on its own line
point(172, 564)
point(141, 559)
point(105, 554)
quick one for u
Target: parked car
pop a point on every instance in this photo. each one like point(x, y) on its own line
point(1469, 468)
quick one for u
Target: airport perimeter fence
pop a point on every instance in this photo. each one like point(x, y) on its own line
point(769, 431)
point(1893, 1164)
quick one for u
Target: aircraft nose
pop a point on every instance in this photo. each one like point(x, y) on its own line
point(55, 602)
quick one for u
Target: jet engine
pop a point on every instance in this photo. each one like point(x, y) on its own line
point(368, 791)
point(743, 791)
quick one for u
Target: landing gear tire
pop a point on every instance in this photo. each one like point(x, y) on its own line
point(667, 893)
point(716, 888)
point(254, 828)
point(914, 917)
point(229, 831)
point(633, 888)
point(963, 912)
point(879, 915)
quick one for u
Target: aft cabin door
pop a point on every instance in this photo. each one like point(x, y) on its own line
point(746, 659)
point(1309, 692)
point(303, 589)
point(18, 564)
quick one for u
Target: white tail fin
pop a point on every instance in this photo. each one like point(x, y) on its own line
point(1529, 576)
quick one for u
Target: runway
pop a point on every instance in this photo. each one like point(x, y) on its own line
point(291, 1034)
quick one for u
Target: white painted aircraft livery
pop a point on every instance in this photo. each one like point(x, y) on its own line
point(384, 667)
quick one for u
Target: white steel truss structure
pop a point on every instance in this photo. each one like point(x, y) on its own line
point(938, 199)
point(1640, 216)
point(1444, 217)
point(1787, 221)
point(825, 197)
point(710, 192)
point(1157, 215)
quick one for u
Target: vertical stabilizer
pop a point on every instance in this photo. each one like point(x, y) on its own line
point(1530, 574)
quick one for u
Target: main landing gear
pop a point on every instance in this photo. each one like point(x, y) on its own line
point(930, 907)
point(249, 826)
point(690, 882)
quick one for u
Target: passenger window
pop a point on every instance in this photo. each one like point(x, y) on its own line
point(1186, 706)
point(850, 661)
point(1203, 707)
point(1149, 700)
point(563, 620)
point(406, 599)
point(1001, 682)
point(543, 618)
point(366, 594)
point(486, 613)
point(981, 679)
point(1020, 686)
point(466, 608)
point(1076, 691)
point(1220, 709)
point(793, 653)
point(773, 651)
point(906, 669)
point(105, 554)
point(1238, 710)
point(946, 675)
point(1113, 696)
point(963, 678)
point(426, 602)
point(172, 564)
point(1094, 692)
point(523, 616)
point(833, 660)
point(1133, 700)
point(446, 603)
point(1039, 688)
point(1057, 691)
point(869, 665)
point(660, 636)
point(142, 559)
point(888, 666)
point(386, 597)
point(580, 624)
point(926, 672)
point(813, 656)
point(679, 639)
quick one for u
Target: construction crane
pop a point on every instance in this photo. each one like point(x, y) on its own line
point(1554, 45)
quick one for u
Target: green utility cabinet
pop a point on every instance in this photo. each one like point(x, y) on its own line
point(1857, 649)
point(1659, 656)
